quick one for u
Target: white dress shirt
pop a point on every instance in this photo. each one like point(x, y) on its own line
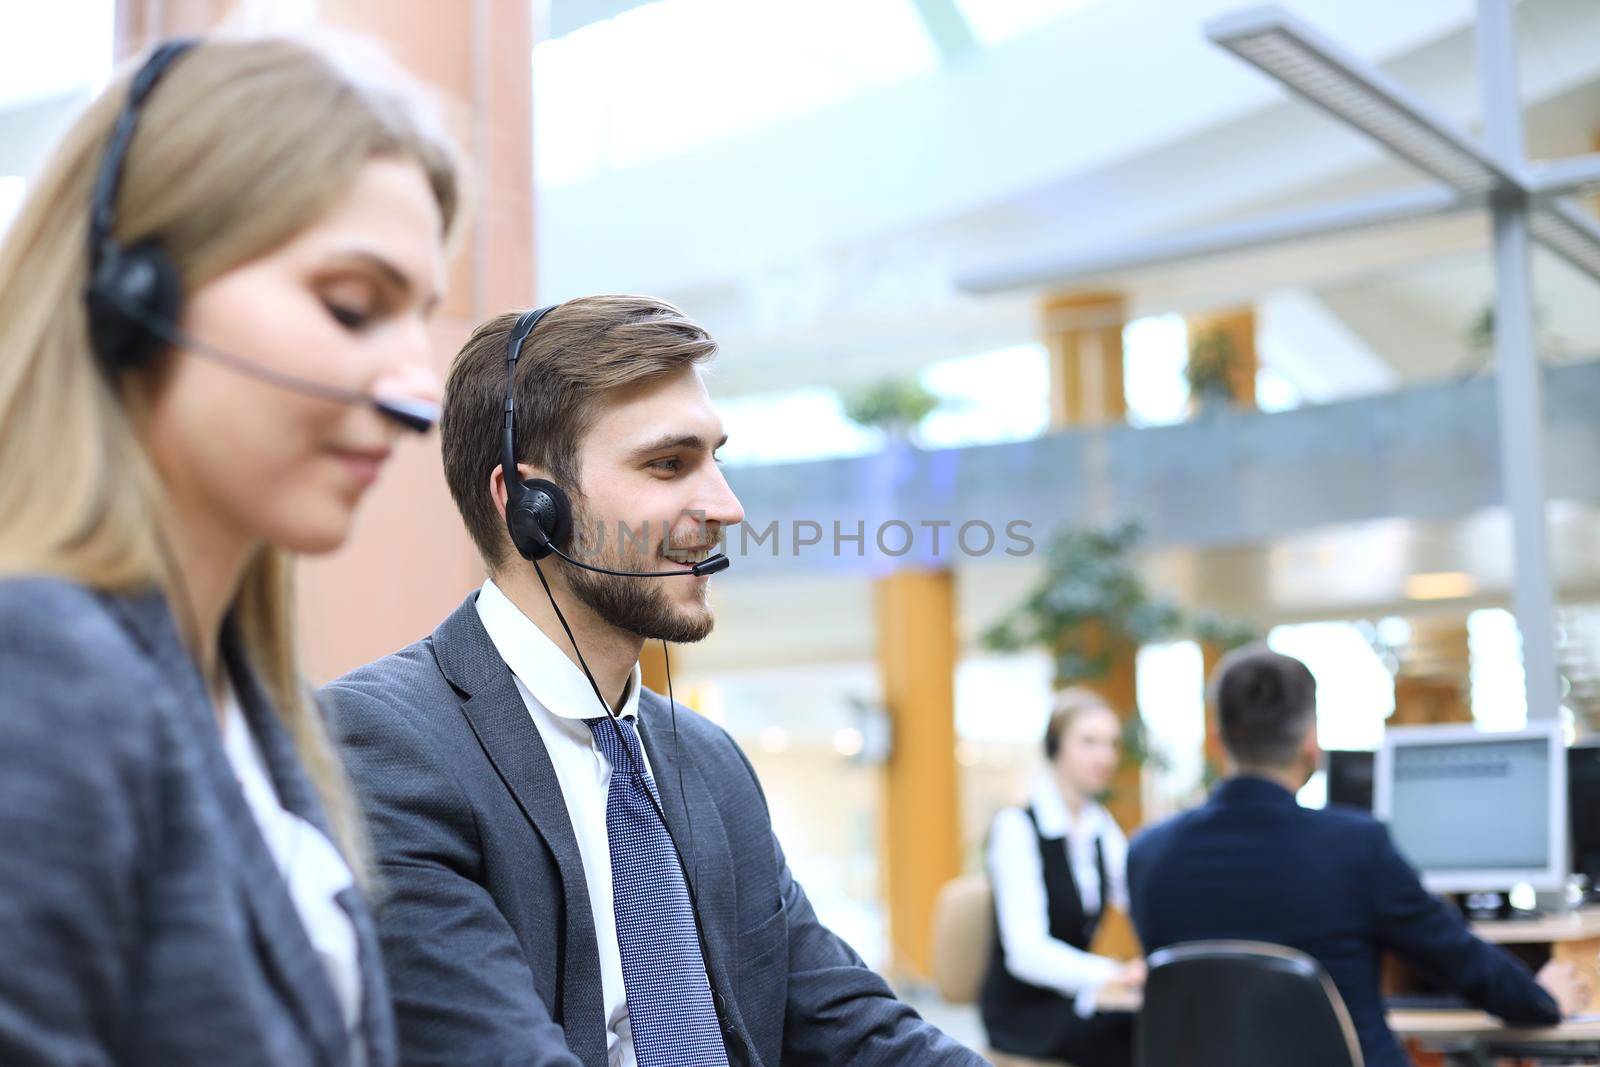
point(1017, 874)
point(312, 868)
point(559, 698)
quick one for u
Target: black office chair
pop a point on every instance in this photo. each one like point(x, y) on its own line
point(1229, 1003)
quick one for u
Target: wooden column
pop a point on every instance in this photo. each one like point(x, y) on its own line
point(1119, 687)
point(1239, 326)
point(409, 562)
point(1433, 683)
point(921, 841)
point(1216, 757)
point(1083, 335)
point(654, 660)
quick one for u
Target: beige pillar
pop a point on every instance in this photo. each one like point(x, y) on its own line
point(1119, 687)
point(921, 838)
point(654, 662)
point(1083, 334)
point(1216, 757)
point(1433, 683)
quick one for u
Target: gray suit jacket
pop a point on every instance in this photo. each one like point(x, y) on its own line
point(142, 919)
point(485, 919)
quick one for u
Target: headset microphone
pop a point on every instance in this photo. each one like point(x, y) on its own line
point(408, 412)
point(709, 565)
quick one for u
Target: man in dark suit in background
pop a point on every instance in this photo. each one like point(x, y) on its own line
point(573, 870)
point(1252, 864)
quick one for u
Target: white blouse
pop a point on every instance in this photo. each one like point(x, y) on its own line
point(312, 867)
point(1017, 874)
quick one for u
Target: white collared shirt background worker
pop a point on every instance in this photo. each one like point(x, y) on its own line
point(1055, 865)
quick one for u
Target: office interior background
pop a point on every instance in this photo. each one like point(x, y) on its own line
point(936, 240)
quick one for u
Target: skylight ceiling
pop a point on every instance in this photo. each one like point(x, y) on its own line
point(997, 21)
point(662, 77)
point(52, 49)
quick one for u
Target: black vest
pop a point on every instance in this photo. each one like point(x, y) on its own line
point(1016, 1013)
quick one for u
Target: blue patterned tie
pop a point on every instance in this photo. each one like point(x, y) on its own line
point(669, 998)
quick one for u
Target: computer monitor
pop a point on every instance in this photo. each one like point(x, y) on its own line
point(1349, 774)
point(1474, 810)
point(1583, 809)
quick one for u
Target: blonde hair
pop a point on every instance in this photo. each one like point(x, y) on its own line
point(1066, 707)
point(242, 144)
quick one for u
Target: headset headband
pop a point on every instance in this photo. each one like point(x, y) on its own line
point(103, 210)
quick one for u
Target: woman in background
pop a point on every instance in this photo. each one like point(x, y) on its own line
point(1054, 865)
point(213, 311)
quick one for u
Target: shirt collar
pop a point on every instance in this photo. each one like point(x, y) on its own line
point(1055, 819)
point(555, 681)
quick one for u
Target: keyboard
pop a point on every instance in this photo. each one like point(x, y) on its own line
point(1426, 1002)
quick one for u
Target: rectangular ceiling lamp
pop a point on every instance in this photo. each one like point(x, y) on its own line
point(1569, 233)
point(1358, 94)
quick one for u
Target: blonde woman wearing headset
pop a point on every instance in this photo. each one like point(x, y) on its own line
point(1055, 865)
point(213, 324)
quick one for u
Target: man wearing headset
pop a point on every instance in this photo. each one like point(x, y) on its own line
point(576, 871)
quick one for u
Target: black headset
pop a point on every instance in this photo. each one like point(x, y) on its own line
point(538, 511)
point(135, 293)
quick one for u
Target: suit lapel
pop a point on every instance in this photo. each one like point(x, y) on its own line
point(279, 936)
point(495, 710)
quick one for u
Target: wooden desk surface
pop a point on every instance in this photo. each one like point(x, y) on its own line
point(1580, 925)
point(1428, 1024)
point(1477, 1024)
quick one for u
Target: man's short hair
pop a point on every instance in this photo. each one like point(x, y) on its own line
point(1266, 703)
point(579, 353)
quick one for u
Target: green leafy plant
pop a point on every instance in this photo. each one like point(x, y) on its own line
point(1215, 364)
point(1479, 337)
point(1225, 633)
point(1090, 601)
point(894, 405)
point(1092, 605)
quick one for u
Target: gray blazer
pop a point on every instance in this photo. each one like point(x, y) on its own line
point(486, 923)
point(142, 919)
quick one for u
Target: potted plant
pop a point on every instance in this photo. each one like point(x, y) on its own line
point(1092, 611)
point(1214, 368)
point(1090, 604)
point(893, 405)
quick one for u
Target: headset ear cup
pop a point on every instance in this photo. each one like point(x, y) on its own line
point(134, 292)
point(549, 502)
point(540, 519)
point(522, 522)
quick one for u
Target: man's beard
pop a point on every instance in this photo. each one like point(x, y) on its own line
point(637, 605)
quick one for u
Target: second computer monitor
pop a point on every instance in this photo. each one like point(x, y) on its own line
point(1349, 777)
point(1474, 810)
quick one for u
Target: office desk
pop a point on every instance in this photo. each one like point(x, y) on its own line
point(1469, 1038)
point(1574, 937)
point(1475, 1039)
